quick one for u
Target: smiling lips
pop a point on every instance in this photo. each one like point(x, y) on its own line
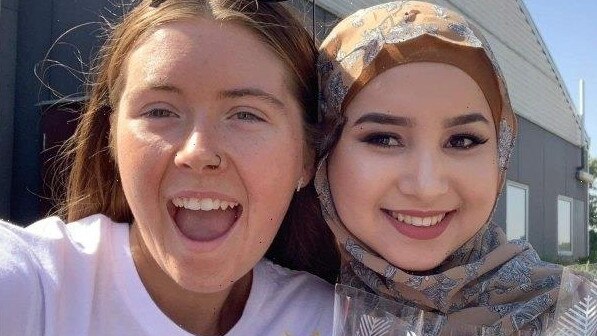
point(420, 225)
point(418, 221)
point(205, 219)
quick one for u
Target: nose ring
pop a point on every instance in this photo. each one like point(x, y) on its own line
point(216, 166)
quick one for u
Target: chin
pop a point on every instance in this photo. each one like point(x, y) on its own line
point(204, 277)
point(418, 263)
point(206, 283)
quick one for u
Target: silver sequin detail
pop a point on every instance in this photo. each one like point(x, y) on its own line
point(373, 46)
point(357, 20)
point(505, 144)
point(441, 12)
point(337, 91)
point(354, 249)
point(466, 33)
point(389, 272)
point(405, 31)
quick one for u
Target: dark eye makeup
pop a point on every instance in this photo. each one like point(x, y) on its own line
point(460, 141)
point(385, 140)
point(464, 141)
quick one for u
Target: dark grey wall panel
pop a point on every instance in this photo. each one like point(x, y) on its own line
point(76, 37)
point(324, 20)
point(8, 55)
point(579, 230)
point(532, 171)
point(547, 165)
point(40, 25)
point(34, 36)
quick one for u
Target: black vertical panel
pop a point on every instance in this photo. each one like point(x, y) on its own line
point(33, 39)
point(62, 61)
point(8, 58)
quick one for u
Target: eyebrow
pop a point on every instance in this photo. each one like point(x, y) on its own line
point(386, 119)
point(253, 92)
point(465, 119)
point(164, 87)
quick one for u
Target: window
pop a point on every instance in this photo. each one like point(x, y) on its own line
point(517, 210)
point(564, 225)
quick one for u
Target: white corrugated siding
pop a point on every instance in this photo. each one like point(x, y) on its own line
point(537, 92)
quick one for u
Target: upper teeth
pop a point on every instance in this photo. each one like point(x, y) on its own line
point(418, 221)
point(205, 204)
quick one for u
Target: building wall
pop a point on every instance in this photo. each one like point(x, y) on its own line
point(8, 54)
point(547, 164)
point(58, 58)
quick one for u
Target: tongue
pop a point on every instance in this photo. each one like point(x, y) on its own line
point(202, 225)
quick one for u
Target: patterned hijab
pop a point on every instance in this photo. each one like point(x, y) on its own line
point(490, 282)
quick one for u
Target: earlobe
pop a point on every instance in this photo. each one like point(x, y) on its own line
point(300, 184)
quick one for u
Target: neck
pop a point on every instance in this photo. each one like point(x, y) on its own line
point(206, 314)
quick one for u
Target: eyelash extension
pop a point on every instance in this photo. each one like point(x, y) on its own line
point(374, 139)
point(476, 140)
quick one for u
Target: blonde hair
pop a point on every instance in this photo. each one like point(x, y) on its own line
point(93, 184)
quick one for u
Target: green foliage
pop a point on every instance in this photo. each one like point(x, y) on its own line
point(593, 245)
point(593, 211)
point(593, 167)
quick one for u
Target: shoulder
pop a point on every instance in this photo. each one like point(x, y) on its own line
point(295, 283)
point(47, 246)
point(20, 284)
point(52, 266)
point(49, 240)
point(287, 302)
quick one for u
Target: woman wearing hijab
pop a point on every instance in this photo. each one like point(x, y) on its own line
point(193, 144)
point(419, 130)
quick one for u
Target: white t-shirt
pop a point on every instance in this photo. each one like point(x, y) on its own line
point(80, 279)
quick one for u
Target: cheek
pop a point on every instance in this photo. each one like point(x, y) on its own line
point(358, 182)
point(477, 185)
point(269, 166)
point(142, 160)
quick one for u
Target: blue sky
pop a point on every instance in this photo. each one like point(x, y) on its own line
point(567, 28)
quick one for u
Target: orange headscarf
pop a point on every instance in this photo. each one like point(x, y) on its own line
point(488, 282)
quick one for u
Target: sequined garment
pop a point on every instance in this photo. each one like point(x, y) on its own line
point(501, 286)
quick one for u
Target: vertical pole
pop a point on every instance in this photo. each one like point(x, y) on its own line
point(585, 154)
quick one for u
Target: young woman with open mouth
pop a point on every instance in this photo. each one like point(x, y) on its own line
point(196, 136)
point(419, 130)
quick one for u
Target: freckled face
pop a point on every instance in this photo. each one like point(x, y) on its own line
point(206, 115)
point(414, 174)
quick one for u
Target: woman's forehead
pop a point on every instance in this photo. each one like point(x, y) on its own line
point(196, 52)
point(417, 87)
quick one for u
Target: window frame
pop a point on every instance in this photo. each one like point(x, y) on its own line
point(526, 211)
point(571, 202)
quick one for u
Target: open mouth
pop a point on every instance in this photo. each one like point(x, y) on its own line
point(204, 219)
point(419, 227)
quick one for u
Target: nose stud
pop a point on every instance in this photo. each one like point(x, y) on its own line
point(216, 166)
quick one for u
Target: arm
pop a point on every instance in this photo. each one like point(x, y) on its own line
point(21, 295)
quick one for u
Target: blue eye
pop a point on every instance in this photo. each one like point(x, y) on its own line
point(465, 141)
point(383, 140)
point(247, 116)
point(160, 113)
